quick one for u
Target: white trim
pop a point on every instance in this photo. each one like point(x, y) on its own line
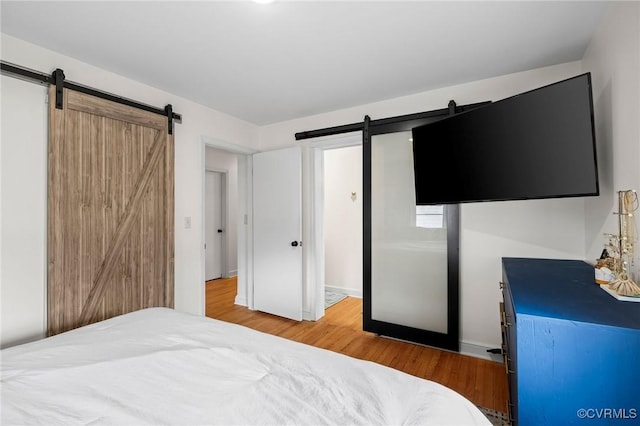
point(317, 231)
point(227, 146)
point(308, 254)
point(479, 351)
point(241, 301)
point(246, 253)
point(338, 141)
point(468, 349)
point(342, 290)
point(215, 169)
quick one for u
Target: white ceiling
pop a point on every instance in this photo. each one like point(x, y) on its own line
point(271, 63)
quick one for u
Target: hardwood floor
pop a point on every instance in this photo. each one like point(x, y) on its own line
point(340, 330)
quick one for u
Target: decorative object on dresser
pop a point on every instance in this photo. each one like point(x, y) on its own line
point(570, 350)
point(624, 284)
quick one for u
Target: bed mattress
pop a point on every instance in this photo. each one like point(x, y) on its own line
point(158, 366)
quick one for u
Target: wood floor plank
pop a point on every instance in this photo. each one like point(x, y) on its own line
point(482, 381)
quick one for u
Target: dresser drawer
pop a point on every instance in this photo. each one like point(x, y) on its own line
point(509, 349)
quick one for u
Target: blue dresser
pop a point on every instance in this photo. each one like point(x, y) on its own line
point(572, 351)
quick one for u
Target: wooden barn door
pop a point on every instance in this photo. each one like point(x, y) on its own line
point(110, 211)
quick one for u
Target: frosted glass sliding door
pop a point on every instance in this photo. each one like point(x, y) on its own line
point(408, 242)
point(410, 252)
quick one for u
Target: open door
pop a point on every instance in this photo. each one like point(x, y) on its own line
point(277, 230)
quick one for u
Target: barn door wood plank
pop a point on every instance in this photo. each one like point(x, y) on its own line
point(99, 107)
point(55, 236)
point(90, 308)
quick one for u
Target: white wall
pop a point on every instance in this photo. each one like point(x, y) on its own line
point(489, 231)
point(198, 122)
point(613, 58)
point(223, 161)
point(343, 220)
point(23, 186)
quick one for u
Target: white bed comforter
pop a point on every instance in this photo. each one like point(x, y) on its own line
point(158, 366)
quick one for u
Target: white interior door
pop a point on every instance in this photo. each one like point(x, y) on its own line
point(277, 230)
point(213, 225)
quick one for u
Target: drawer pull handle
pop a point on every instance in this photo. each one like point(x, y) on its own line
point(504, 319)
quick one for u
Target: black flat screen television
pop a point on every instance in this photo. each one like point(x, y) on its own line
point(538, 144)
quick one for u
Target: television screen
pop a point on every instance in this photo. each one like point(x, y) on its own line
point(538, 144)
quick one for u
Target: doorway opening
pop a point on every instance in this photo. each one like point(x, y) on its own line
point(336, 220)
point(342, 218)
point(232, 165)
point(220, 219)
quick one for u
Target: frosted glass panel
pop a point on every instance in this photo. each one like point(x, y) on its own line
point(408, 244)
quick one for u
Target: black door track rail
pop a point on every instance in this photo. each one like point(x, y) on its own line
point(57, 78)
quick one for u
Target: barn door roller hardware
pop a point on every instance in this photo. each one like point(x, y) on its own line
point(57, 78)
point(452, 107)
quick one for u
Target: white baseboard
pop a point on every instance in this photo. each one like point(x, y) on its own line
point(232, 273)
point(242, 301)
point(469, 349)
point(479, 351)
point(348, 291)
